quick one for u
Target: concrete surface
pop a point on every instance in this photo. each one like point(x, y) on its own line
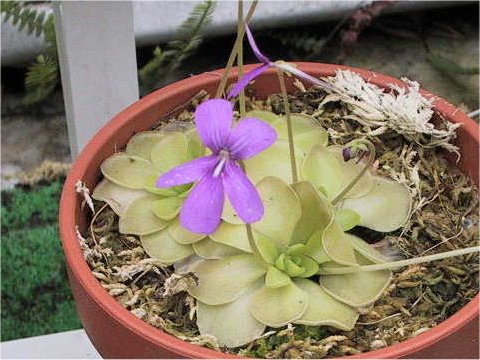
point(65, 345)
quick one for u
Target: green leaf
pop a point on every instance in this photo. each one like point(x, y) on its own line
point(385, 208)
point(225, 280)
point(209, 249)
point(367, 250)
point(277, 307)
point(309, 266)
point(274, 161)
point(316, 212)
point(231, 324)
point(118, 197)
point(141, 144)
point(195, 145)
point(161, 246)
point(276, 278)
point(229, 214)
point(323, 310)
point(232, 235)
point(307, 133)
point(356, 289)
point(266, 116)
point(350, 170)
point(337, 245)
point(170, 151)
point(314, 248)
point(347, 219)
point(267, 249)
point(323, 170)
point(128, 171)
point(182, 235)
point(139, 219)
point(282, 211)
point(167, 208)
point(151, 187)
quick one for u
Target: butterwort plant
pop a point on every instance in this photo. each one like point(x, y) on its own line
point(220, 173)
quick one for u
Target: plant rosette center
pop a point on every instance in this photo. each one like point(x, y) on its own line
point(188, 196)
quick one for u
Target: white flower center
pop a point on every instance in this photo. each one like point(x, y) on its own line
point(224, 156)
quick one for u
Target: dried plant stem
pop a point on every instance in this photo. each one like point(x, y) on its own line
point(233, 54)
point(241, 97)
point(371, 159)
point(286, 105)
point(401, 263)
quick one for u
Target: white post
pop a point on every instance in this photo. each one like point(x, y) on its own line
point(96, 47)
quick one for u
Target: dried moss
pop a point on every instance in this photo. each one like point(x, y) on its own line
point(445, 217)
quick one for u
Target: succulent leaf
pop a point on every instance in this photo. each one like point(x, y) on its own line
point(347, 219)
point(367, 250)
point(279, 306)
point(282, 211)
point(274, 161)
point(314, 248)
point(337, 245)
point(182, 235)
point(128, 170)
point(356, 289)
point(266, 116)
point(324, 310)
point(316, 212)
point(161, 246)
point(276, 278)
point(225, 280)
point(141, 144)
point(231, 323)
point(118, 197)
point(267, 249)
point(209, 249)
point(232, 235)
point(385, 208)
point(167, 208)
point(170, 151)
point(139, 219)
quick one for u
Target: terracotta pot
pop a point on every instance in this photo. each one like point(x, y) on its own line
point(116, 333)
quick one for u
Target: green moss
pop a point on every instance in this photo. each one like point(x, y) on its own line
point(36, 298)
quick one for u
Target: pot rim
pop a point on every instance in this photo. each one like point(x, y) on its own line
point(69, 204)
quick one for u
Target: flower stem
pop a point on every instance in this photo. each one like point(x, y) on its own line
point(401, 263)
point(240, 25)
point(286, 105)
point(233, 54)
point(371, 159)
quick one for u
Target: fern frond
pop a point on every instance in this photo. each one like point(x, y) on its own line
point(26, 16)
point(41, 79)
point(186, 42)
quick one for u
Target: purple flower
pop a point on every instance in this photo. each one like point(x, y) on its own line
point(219, 174)
point(266, 63)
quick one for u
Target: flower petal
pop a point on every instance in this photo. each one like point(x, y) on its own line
point(242, 194)
point(249, 137)
point(225, 280)
point(253, 45)
point(203, 207)
point(245, 80)
point(213, 120)
point(232, 324)
point(188, 172)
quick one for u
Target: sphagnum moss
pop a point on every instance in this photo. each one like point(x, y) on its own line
point(445, 217)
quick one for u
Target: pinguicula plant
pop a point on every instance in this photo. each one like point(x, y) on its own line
point(260, 207)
